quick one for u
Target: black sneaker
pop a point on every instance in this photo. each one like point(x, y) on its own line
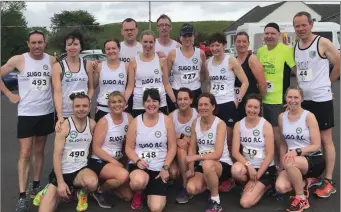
point(22, 205)
point(99, 197)
point(213, 206)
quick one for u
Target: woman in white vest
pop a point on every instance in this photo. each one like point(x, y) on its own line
point(300, 150)
point(182, 119)
point(110, 75)
point(187, 65)
point(151, 148)
point(147, 71)
point(108, 147)
point(208, 135)
point(255, 168)
point(223, 70)
point(71, 76)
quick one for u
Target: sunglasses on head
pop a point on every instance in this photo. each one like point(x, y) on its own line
point(74, 95)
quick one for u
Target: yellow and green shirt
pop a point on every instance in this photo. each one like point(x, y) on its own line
point(277, 64)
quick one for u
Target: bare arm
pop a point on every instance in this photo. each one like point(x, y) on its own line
point(165, 80)
point(258, 71)
point(131, 79)
point(10, 66)
point(333, 56)
point(193, 144)
point(57, 89)
point(219, 144)
point(204, 72)
point(236, 145)
point(269, 148)
point(58, 151)
point(97, 73)
point(171, 142)
point(170, 60)
point(238, 70)
point(282, 143)
point(315, 137)
point(131, 141)
point(90, 70)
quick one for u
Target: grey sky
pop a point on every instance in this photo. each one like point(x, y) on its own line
point(39, 13)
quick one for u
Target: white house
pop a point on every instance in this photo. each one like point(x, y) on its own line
point(283, 12)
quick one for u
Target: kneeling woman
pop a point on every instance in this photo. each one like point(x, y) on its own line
point(151, 148)
point(255, 166)
point(209, 135)
point(107, 146)
point(300, 152)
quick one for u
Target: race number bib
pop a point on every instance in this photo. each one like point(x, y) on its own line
point(305, 75)
point(77, 155)
point(39, 83)
point(118, 154)
point(253, 153)
point(269, 87)
point(189, 77)
point(148, 156)
point(237, 90)
point(218, 88)
point(105, 97)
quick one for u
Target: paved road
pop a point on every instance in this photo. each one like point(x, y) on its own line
point(230, 201)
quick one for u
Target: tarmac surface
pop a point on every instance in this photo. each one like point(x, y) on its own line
point(230, 201)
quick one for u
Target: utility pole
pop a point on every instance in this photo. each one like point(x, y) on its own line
point(150, 21)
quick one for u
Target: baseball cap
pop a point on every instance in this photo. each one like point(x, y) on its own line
point(186, 29)
point(273, 25)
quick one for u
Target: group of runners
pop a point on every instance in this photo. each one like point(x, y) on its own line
point(165, 111)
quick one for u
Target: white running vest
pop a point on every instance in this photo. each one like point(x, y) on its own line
point(296, 134)
point(313, 73)
point(222, 80)
point(109, 81)
point(166, 50)
point(206, 141)
point(186, 127)
point(127, 52)
point(76, 148)
point(115, 137)
point(186, 71)
point(148, 75)
point(253, 143)
point(35, 91)
point(73, 83)
point(151, 143)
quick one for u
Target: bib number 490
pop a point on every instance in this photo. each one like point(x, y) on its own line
point(77, 154)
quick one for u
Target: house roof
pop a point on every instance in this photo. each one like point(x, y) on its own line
point(329, 12)
point(255, 15)
point(325, 10)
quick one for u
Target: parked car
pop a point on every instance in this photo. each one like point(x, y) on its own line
point(11, 80)
point(93, 55)
point(231, 52)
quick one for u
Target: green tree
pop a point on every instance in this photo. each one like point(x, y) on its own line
point(14, 29)
point(66, 21)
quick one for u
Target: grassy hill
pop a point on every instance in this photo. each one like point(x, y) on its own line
point(113, 30)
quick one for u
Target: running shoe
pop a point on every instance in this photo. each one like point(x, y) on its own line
point(298, 204)
point(213, 206)
point(227, 185)
point(183, 196)
point(37, 199)
point(137, 200)
point(99, 197)
point(22, 205)
point(82, 200)
point(325, 190)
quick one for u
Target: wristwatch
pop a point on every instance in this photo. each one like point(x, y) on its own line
point(239, 99)
point(298, 151)
point(165, 167)
point(247, 164)
point(182, 136)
